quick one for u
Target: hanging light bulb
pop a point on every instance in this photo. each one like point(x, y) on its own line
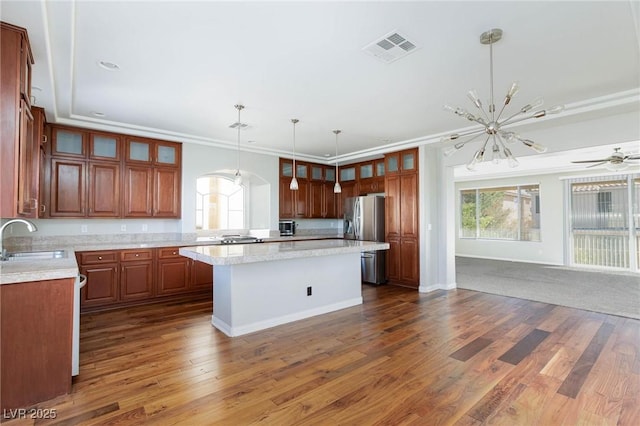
point(337, 189)
point(294, 182)
point(238, 177)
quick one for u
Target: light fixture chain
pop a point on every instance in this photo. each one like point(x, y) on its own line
point(492, 107)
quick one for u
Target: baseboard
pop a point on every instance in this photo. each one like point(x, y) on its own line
point(272, 322)
point(437, 286)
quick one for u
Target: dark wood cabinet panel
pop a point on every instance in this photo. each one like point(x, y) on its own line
point(349, 189)
point(17, 198)
point(138, 192)
point(285, 199)
point(401, 217)
point(102, 284)
point(201, 276)
point(393, 259)
point(409, 205)
point(166, 192)
point(36, 324)
point(409, 264)
point(316, 198)
point(136, 280)
point(329, 201)
point(173, 275)
point(67, 188)
point(104, 190)
point(294, 204)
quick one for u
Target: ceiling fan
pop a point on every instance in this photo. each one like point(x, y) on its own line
point(616, 161)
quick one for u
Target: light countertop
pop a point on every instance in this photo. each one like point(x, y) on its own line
point(249, 253)
point(12, 272)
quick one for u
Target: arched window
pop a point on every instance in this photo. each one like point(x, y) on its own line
point(219, 203)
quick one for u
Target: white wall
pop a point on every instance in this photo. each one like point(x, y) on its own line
point(258, 170)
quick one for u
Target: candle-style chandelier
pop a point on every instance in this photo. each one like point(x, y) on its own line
point(493, 125)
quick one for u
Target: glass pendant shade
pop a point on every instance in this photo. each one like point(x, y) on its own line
point(337, 189)
point(238, 178)
point(294, 184)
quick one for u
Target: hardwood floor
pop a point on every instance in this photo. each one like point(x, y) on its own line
point(458, 357)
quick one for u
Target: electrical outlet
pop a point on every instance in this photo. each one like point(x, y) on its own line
point(309, 291)
point(123, 228)
point(144, 227)
point(84, 228)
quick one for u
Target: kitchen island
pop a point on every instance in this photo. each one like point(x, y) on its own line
point(258, 286)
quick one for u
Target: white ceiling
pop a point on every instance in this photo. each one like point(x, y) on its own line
point(183, 66)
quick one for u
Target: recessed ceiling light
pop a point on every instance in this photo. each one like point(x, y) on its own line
point(327, 155)
point(108, 65)
point(98, 114)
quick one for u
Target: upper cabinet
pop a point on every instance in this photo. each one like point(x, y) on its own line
point(402, 161)
point(152, 152)
point(314, 197)
point(109, 175)
point(19, 144)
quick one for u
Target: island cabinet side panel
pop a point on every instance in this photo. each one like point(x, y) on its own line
point(36, 325)
point(255, 296)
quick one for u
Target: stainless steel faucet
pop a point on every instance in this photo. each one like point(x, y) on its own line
point(30, 227)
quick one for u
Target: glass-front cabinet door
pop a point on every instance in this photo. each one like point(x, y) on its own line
point(317, 172)
point(68, 142)
point(366, 170)
point(138, 151)
point(380, 168)
point(286, 168)
point(330, 174)
point(104, 146)
point(167, 154)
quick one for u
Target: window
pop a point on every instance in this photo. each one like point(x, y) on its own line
point(219, 204)
point(600, 228)
point(506, 213)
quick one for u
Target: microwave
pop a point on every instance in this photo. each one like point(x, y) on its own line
point(287, 227)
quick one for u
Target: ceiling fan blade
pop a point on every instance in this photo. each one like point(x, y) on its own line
point(632, 157)
point(592, 161)
point(597, 164)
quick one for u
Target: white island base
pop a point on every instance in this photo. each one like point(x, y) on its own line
point(258, 286)
point(253, 296)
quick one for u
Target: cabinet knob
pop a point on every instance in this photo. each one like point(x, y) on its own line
point(175, 252)
point(137, 254)
point(44, 139)
point(99, 257)
point(43, 208)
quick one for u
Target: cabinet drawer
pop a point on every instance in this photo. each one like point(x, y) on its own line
point(168, 252)
point(127, 255)
point(93, 257)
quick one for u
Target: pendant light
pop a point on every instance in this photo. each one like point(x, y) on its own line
point(337, 189)
point(238, 177)
point(294, 182)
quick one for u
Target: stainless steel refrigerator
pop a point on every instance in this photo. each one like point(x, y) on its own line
point(364, 220)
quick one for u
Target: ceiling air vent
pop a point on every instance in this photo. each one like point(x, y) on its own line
point(391, 47)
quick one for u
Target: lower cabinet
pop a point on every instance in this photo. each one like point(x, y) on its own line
point(125, 277)
point(36, 324)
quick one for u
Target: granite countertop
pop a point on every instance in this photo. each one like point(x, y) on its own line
point(250, 253)
point(12, 272)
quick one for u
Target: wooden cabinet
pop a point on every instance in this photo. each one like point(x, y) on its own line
point(371, 177)
point(139, 276)
point(107, 175)
point(18, 197)
point(314, 197)
point(101, 270)
point(293, 204)
point(401, 218)
point(36, 324)
point(152, 175)
point(136, 274)
point(201, 276)
point(173, 271)
point(85, 174)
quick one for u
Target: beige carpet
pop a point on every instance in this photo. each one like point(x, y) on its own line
point(616, 293)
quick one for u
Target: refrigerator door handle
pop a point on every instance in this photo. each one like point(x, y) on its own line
point(356, 218)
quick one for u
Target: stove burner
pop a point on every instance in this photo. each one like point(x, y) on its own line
point(240, 239)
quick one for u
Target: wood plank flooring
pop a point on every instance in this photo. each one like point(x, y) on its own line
point(459, 357)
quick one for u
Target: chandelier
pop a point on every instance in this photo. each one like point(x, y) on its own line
point(493, 125)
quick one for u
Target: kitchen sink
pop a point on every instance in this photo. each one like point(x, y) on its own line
point(36, 255)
